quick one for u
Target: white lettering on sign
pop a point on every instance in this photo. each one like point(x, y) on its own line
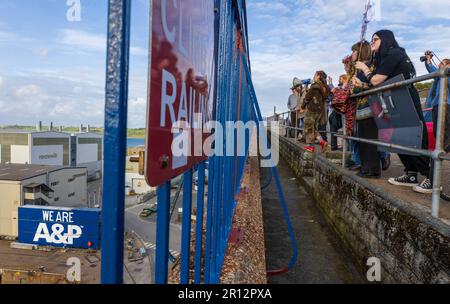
point(185, 111)
point(47, 155)
point(57, 236)
point(61, 216)
point(168, 100)
point(170, 34)
point(189, 33)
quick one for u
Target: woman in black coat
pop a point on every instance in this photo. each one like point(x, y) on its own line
point(391, 60)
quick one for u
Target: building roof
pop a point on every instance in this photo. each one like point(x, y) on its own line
point(87, 134)
point(17, 172)
point(12, 131)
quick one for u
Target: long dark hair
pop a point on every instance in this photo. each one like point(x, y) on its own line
point(364, 51)
point(323, 76)
point(388, 42)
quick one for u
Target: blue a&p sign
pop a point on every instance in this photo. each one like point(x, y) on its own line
point(59, 227)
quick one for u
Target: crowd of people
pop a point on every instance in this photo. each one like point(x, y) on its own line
point(317, 106)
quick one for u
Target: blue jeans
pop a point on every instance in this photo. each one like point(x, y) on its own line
point(354, 148)
point(384, 155)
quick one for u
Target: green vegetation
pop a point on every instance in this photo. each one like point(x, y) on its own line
point(132, 133)
point(423, 86)
point(136, 133)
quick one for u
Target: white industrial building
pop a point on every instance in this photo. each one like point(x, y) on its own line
point(87, 151)
point(38, 185)
point(37, 148)
point(137, 183)
point(53, 149)
point(134, 182)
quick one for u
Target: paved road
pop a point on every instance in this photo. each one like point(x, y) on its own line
point(145, 228)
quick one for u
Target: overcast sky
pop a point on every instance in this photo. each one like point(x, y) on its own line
point(53, 70)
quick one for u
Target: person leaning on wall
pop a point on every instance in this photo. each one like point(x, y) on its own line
point(371, 161)
point(390, 60)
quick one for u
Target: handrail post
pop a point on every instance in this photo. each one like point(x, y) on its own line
point(344, 140)
point(437, 177)
point(116, 101)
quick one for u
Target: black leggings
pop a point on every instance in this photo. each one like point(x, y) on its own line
point(418, 164)
point(370, 158)
point(335, 125)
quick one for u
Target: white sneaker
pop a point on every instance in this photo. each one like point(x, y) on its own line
point(407, 180)
point(426, 187)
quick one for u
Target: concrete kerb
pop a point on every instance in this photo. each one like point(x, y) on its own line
point(393, 201)
point(411, 243)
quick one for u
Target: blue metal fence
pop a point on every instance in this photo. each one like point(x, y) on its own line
point(233, 101)
point(116, 101)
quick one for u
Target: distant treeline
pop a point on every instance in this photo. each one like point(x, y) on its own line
point(132, 133)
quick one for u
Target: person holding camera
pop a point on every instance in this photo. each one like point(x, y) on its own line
point(314, 104)
point(426, 187)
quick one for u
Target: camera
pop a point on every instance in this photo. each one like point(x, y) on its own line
point(306, 82)
point(424, 58)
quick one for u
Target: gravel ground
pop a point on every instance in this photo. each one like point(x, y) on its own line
point(54, 261)
point(244, 263)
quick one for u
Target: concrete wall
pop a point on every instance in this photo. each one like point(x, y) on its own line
point(45, 144)
point(413, 247)
point(71, 187)
point(9, 202)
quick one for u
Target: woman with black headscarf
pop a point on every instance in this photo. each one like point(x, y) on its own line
point(390, 60)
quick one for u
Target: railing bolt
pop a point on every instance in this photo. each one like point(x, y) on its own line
point(164, 161)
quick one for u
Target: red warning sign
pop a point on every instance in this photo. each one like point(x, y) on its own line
point(181, 86)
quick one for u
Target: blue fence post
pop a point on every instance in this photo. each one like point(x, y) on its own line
point(186, 228)
point(162, 234)
point(209, 220)
point(224, 171)
point(116, 101)
point(199, 223)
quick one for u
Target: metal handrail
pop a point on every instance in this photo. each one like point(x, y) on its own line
point(442, 73)
point(438, 74)
point(438, 155)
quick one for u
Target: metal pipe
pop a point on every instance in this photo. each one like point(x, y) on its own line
point(186, 228)
point(391, 146)
point(116, 100)
point(162, 234)
point(441, 156)
point(344, 142)
point(440, 73)
point(437, 177)
point(199, 223)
